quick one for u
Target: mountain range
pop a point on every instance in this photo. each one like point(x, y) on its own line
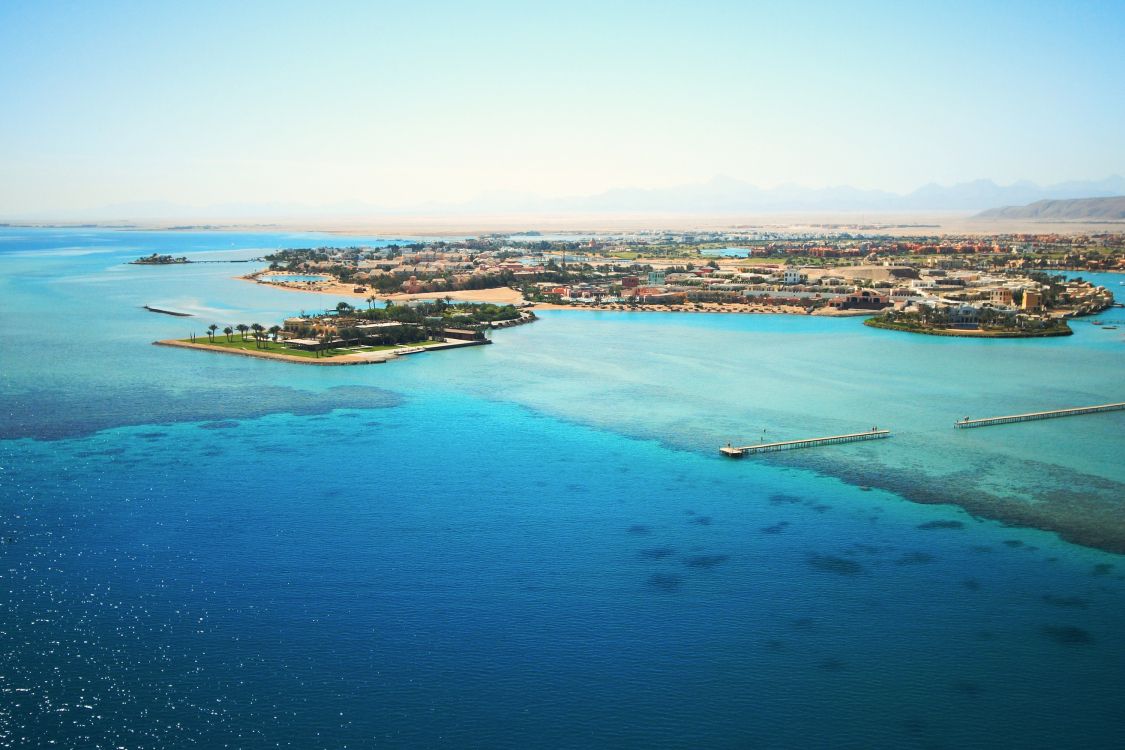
point(728, 195)
point(1097, 209)
point(720, 195)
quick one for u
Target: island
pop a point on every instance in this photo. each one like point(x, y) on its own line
point(1030, 305)
point(973, 324)
point(159, 260)
point(347, 335)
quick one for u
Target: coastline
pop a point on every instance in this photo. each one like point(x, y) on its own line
point(704, 307)
point(970, 334)
point(342, 360)
point(497, 295)
point(508, 296)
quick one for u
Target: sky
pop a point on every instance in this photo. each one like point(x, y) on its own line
point(408, 104)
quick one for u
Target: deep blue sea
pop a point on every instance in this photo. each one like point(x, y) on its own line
point(536, 543)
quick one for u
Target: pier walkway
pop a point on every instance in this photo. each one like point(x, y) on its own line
point(739, 451)
point(964, 424)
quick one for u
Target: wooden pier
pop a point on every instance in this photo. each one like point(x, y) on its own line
point(967, 423)
point(740, 451)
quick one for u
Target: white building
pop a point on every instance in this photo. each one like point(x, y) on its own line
point(794, 276)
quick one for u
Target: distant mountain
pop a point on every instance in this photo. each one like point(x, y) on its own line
point(1099, 209)
point(726, 195)
point(979, 194)
point(720, 195)
point(729, 195)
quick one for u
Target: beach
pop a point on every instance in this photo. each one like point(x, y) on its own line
point(509, 296)
point(498, 295)
point(687, 308)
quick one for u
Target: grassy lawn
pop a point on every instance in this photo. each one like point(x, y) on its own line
point(373, 348)
point(249, 345)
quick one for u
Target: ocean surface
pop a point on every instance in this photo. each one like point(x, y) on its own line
point(536, 543)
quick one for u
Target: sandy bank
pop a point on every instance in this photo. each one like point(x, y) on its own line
point(831, 312)
point(343, 359)
point(498, 295)
point(355, 358)
point(706, 307)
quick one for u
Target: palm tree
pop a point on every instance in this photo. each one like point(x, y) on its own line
point(257, 328)
point(211, 332)
point(274, 330)
point(325, 339)
point(228, 331)
point(371, 302)
point(242, 329)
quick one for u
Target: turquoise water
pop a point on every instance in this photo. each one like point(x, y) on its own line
point(535, 544)
point(290, 277)
point(727, 252)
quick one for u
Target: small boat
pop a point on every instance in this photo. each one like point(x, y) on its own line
point(1109, 328)
point(1095, 322)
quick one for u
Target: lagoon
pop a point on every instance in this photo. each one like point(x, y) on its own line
point(727, 252)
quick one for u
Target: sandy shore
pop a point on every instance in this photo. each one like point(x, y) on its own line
point(832, 312)
point(509, 296)
point(344, 359)
point(705, 307)
point(356, 358)
point(499, 295)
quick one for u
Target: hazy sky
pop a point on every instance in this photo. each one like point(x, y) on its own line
point(400, 103)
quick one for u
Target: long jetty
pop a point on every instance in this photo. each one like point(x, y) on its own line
point(785, 445)
point(964, 424)
point(162, 311)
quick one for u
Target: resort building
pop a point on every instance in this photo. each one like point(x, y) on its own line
point(1000, 296)
point(793, 275)
point(861, 299)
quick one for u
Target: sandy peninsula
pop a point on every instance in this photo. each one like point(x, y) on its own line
point(353, 358)
point(497, 295)
point(702, 307)
point(509, 296)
